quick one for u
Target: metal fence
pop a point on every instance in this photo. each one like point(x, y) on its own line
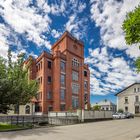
point(38, 120)
point(63, 120)
point(23, 120)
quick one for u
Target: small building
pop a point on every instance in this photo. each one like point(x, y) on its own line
point(128, 99)
point(106, 105)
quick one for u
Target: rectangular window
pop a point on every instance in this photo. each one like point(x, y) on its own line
point(75, 88)
point(62, 94)
point(126, 100)
point(62, 79)
point(62, 107)
point(75, 76)
point(85, 73)
point(50, 108)
point(126, 108)
point(62, 65)
point(37, 107)
point(39, 66)
point(138, 89)
point(49, 95)
point(49, 64)
point(85, 98)
point(85, 84)
point(135, 90)
point(137, 98)
point(16, 109)
point(39, 80)
point(49, 79)
point(75, 62)
point(75, 102)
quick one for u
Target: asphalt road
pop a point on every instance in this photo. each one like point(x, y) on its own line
point(127, 129)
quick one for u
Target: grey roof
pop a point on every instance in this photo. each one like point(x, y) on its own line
point(126, 88)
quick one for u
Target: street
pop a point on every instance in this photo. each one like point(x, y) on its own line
point(127, 129)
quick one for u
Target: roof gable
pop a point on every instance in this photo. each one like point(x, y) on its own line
point(126, 88)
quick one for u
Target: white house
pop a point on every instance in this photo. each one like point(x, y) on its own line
point(128, 99)
point(106, 105)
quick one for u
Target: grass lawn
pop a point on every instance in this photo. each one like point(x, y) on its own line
point(5, 126)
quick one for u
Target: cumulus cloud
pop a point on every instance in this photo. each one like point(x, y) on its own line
point(109, 16)
point(32, 20)
point(22, 19)
point(56, 33)
point(109, 74)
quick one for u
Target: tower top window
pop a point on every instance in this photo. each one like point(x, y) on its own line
point(75, 62)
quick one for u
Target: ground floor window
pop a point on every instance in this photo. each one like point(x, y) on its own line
point(16, 109)
point(27, 109)
point(62, 107)
point(50, 108)
point(37, 107)
point(137, 109)
point(126, 109)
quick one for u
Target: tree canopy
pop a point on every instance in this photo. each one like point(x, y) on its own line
point(15, 86)
point(96, 108)
point(131, 27)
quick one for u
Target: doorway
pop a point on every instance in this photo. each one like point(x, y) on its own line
point(137, 109)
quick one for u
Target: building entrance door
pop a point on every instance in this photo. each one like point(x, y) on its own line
point(137, 109)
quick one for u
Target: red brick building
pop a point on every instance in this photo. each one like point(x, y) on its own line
point(64, 79)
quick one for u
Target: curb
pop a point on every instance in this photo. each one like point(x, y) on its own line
point(10, 130)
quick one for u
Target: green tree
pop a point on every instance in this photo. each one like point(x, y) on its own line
point(138, 64)
point(96, 108)
point(131, 27)
point(5, 95)
point(18, 89)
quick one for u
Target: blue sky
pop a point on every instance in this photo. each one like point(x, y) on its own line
point(32, 26)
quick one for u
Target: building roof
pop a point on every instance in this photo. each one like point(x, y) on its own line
point(126, 88)
point(66, 33)
point(104, 102)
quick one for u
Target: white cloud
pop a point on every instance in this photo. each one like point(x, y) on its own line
point(109, 74)
point(56, 33)
point(22, 19)
point(77, 26)
point(55, 7)
point(3, 41)
point(81, 7)
point(71, 24)
point(109, 16)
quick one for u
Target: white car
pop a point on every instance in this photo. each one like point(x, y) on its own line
point(119, 116)
point(116, 116)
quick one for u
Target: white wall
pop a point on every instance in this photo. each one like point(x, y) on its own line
point(131, 99)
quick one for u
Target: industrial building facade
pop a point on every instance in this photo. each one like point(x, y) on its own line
point(64, 79)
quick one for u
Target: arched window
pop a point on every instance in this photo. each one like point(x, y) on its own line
point(27, 109)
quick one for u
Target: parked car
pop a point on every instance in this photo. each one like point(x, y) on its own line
point(119, 115)
point(129, 115)
point(122, 115)
point(116, 115)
